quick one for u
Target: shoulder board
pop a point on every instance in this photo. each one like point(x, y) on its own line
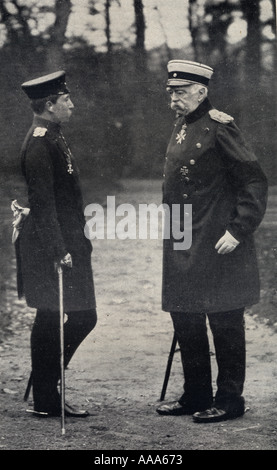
point(39, 131)
point(220, 116)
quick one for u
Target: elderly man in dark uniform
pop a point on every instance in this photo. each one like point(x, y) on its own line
point(210, 166)
point(53, 234)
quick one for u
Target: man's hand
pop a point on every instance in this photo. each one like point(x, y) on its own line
point(67, 260)
point(19, 215)
point(18, 221)
point(226, 244)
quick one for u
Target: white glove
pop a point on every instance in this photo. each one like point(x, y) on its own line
point(67, 260)
point(226, 244)
point(19, 213)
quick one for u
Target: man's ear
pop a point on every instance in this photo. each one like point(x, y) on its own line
point(202, 94)
point(49, 106)
point(202, 91)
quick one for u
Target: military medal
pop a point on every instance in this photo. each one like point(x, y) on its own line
point(69, 163)
point(180, 137)
point(184, 170)
point(68, 156)
point(69, 168)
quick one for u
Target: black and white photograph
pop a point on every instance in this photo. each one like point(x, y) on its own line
point(138, 183)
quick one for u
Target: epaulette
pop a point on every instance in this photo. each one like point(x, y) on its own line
point(39, 131)
point(220, 116)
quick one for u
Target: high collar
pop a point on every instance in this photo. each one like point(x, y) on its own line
point(200, 111)
point(50, 125)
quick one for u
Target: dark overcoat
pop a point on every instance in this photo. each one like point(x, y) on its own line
point(55, 225)
point(214, 170)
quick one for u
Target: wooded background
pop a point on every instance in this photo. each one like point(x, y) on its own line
point(122, 122)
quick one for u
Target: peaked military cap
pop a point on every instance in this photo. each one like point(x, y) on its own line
point(51, 84)
point(186, 72)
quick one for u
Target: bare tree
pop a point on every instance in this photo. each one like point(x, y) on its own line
point(194, 27)
point(18, 31)
point(62, 13)
point(140, 99)
point(251, 11)
point(140, 26)
point(108, 25)
point(55, 49)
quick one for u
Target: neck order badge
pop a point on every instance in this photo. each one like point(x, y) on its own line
point(180, 137)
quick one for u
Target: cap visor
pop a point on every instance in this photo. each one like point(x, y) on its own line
point(179, 82)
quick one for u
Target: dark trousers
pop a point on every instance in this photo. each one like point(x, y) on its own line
point(45, 351)
point(228, 333)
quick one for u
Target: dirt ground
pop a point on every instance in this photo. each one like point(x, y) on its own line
point(117, 373)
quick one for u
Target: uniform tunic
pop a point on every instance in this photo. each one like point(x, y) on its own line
point(214, 170)
point(55, 225)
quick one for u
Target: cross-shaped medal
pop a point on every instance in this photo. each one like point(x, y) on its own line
point(69, 168)
point(180, 137)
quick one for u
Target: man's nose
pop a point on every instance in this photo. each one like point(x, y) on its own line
point(174, 96)
point(71, 105)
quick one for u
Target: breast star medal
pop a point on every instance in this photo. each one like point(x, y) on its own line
point(180, 137)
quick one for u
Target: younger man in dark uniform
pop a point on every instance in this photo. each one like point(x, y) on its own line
point(53, 233)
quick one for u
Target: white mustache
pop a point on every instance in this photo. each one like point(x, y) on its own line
point(176, 106)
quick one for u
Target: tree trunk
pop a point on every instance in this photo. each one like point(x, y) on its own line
point(18, 31)
point(55, 55)
point(251, 11)
point(140, 25)
point(108, 25)
point(194, 28)
point(139, 137)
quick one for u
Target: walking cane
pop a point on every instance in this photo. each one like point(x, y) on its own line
point(62, 382)
point(28, 388)
point(168, 367)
